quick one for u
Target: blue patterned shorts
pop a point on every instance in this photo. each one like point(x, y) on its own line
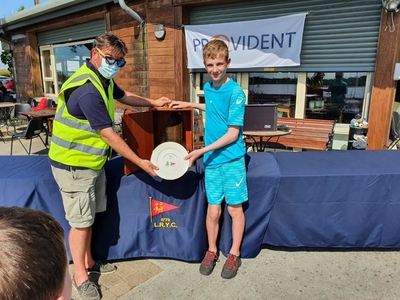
point(227, 181)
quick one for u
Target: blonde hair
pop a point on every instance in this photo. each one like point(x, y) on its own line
point(215, 48)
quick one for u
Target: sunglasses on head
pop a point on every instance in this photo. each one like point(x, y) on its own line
point(111, 60)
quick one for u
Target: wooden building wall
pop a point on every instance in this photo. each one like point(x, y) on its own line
point(133, 77)
point(28, 79)
point(157, 68)
point(384, 86)
point(151, 68)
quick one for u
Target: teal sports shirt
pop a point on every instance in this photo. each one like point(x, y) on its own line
point(224, 106)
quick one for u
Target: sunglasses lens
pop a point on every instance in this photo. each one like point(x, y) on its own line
point(110, 60)
point(121, 63)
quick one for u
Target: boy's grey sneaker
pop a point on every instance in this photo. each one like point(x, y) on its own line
point(87, 290)
point(208, 263)
point(102, 268)
point(231, 266)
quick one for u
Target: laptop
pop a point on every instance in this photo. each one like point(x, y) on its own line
point(260, 117)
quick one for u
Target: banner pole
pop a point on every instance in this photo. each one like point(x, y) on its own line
point(151, 212)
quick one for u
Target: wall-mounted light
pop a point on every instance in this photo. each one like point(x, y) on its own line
point(159, 31)
point(391, 5)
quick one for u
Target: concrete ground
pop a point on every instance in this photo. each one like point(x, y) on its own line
point(276, 273)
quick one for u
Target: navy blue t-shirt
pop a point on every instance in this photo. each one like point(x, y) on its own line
point(86, 103)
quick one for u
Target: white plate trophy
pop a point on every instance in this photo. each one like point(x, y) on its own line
point(168, 157)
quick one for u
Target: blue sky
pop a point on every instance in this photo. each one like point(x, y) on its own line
point(9, 7)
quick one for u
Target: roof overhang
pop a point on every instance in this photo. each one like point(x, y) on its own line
point(46, 11)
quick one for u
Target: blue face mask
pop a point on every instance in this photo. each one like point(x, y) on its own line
point(108, 71)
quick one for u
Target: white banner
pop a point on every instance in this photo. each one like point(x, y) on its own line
point(265, 43)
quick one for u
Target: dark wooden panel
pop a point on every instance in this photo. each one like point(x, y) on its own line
point(143, 131)
point(137, 130)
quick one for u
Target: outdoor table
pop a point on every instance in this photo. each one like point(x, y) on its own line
point(5, 113)
point(45, 115)
point(261, 145)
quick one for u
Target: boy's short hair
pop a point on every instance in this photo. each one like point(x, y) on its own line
point(33, 257)
point(214, 48)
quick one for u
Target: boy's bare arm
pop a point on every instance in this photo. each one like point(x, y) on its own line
point(185, 104)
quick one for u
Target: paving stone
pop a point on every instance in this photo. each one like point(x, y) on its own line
point(110, 280)
point(136, 279)
point(108, 295)
point(151, 270)
point(120, 289)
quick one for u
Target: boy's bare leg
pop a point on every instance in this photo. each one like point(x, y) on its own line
point(212, 225)
point(238, 222)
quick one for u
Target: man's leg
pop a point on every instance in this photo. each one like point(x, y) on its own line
point(89, 261)
point(77, 189)
point(79, 239)
point(101, 206)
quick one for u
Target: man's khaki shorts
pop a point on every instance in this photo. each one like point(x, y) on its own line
point(83, 193)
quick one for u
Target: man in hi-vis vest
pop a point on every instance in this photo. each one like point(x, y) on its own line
point(81, 140)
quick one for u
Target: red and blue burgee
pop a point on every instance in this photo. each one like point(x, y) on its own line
point(158, 207)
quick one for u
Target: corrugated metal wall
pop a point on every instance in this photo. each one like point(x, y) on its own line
point(338, 35)
point(72, 33)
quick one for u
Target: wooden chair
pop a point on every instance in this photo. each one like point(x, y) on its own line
point(284, 110)
point(198, 134)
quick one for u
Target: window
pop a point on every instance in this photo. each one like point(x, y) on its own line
point(342, 95)
point(292, 90)
point(59, 62)
point(273, 87)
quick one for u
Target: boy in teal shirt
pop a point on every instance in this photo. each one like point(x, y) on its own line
point(224, 151)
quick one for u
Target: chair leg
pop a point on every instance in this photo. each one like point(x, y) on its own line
point(23, 146)
point(43, 142)
point(12, 140)
point(30, 146)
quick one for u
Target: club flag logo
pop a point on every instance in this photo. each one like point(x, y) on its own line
point(158, 207)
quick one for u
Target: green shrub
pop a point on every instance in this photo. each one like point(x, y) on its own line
point(5, 72)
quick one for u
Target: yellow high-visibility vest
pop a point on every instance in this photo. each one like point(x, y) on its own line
point(74, 142)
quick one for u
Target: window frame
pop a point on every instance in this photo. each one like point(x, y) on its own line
point(53, 79)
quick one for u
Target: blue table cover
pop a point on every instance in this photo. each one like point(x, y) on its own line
point(337, 199)
point(307, 199)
